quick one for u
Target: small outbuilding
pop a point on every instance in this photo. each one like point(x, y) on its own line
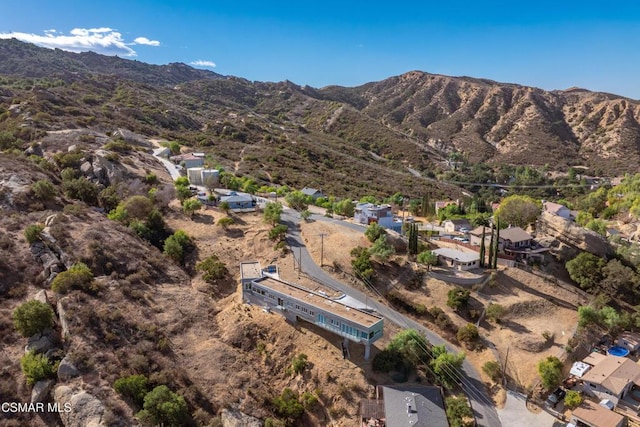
point(458, 260)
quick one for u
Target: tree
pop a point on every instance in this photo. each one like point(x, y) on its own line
point(176, 244)
point(518, 210)
point(446, 366)
point(278, 232)
point(212, 269)
point(482, 248)
point(164, 407)
point(32, 317)
point(374, 231)
point(618, 278)
point(190, 206)
point(381, 249)
point(210, 183)
point(343, 207)
point(585, 269)
point(297, 200)
point(272, 212)
point(428, 258)
point(44, 190)
point(496, 244)
point(413, 239)
point(458, 297)
point(81, 189)
point(36, 367)
point(183, 193)
point(550, 370)
point(458, 412)
point(135, 387)
point(492, 370)
point(411, 345)
point(573, 399)
point(587, 315)
point(491, 243)
point(361, 263)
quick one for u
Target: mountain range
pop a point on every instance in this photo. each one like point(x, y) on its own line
point(372, 138)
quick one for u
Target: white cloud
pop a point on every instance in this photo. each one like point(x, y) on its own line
point(201, 63)
point(146, 41)
point(102, 40)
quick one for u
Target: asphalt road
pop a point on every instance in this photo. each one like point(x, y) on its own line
point(484, 410)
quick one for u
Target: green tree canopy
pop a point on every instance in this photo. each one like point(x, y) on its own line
point(446, 365)
point(427, 258)
point(550, 370)
point(586, 269)
point(518, 211)
point(297, 200)
point(381, 249)
point(190, 206)
point(374, 231)
point(272, 212)
point(212, 269)
point(164, 407)
point(458, 297)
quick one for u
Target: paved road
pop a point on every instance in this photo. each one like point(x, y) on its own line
point(482, 405)
point(516, 414)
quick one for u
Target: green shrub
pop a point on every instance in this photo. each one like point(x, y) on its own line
point(299, 363)
point(573, 399)
point(81, 189)
point(176, 245)
point(493, 370)
point(287, 404)
point(134, 387)
point(44, 190)
point(79, 276)
point(278, 232)
point(495, 312)
point(164, 407)
point(32, 232)
point(468, 333)
point(458, 297)
point(225, 222)
point(36, 367)
point(212, 269)
point(32, 317)
point(118, 145)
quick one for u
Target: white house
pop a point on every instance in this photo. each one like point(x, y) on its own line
point(458, 260)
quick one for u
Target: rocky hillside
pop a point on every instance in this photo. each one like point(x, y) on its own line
point(143, 312)
point(378, 138)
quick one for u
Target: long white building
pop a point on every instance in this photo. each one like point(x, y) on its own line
point(264, 288)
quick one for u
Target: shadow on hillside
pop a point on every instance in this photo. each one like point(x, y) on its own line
point(203, 219)
point(510, 282)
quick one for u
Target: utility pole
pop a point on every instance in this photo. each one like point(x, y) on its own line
point(322, 248)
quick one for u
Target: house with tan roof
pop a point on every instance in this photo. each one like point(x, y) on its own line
point(557, 209)
point(593, 415)
point(611, 378)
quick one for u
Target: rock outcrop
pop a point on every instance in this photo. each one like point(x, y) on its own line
point(41, 390)
point(566, 239)
point(67, 370)
point(40, 343)
point(86, 409)
point(235, 418)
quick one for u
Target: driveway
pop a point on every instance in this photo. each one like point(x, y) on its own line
point(482, 405)
point(516, 414)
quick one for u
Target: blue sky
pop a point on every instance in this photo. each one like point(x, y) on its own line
point(548, 44)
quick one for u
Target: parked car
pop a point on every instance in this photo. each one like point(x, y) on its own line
point(464, 230)
point(556, 397)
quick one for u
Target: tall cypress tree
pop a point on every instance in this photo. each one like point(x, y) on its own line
point(413, 239)
point(491, 249)
point(495, 255)
point(482, 249)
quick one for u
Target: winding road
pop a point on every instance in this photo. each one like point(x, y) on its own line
point(483, 407)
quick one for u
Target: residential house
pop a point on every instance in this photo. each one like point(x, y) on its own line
point(611, 378)
point(454, 225)
point(295, 302)
point(557, 209)
point(514, 238)
point(239, 201)
point(312, 192)
point(399, 406)
point(366, 213)
point(475, 236)
point(188, 161)
point(458, 260)
point(591, 414)
point(630, 341)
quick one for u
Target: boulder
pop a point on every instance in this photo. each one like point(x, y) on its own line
point(86, 409)
point(35, 150)
point(42, 297)
point(72, 148)
point(62, 317)
point(235, 418)
point(41, 390)
point(40, 343)
point(67, 370)
point(104, 170)
point(86, 168)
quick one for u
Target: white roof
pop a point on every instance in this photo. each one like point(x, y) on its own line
point(457, 255)
point(579, 368)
